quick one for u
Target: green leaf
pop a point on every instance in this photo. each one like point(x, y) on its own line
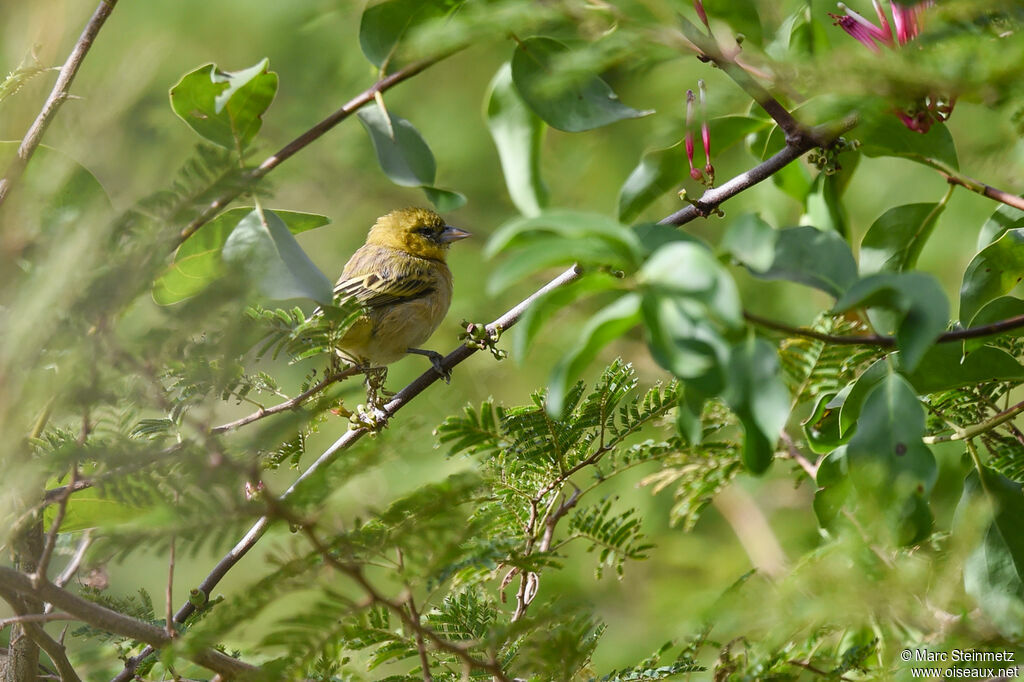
point(682, 340)
point(1002, 308)
point(384, 24)
point(885, 135)
point(55, 193)
point(823, 207)
point(810, 256)
point(1004, 218)
point(944, 367)
point(445, 200)
point(821, 427)
point(994, 271)
point(688, 270)
point(402, 152)
point(581, 105)
point(225, 107)
point(197, 262)
point(894, 241)
point(887, 461)
point(611, 322)
point(92, 510)
point(263, 246)
point(518, 134)
point(757, 394)
point(544, 307)
point(919, 306)
point(994, 571)
point(751, 241)
point(560, 237)
point(661, 170)
point(856, 393)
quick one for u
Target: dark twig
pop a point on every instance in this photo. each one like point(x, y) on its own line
point(980, 331)
point(346, 441)
point(288, 404)
point(303, 140)
point(76, 561)
point(796, 134)
point(954, 177)
point(712, 198)
point(57, 97)
point(103, 618)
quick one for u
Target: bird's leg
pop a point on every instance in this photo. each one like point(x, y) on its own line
point(375, 391)
point(436, 359)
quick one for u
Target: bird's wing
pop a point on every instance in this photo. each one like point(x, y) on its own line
point(381, 276)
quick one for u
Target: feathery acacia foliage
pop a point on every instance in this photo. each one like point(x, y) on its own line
point(166, 367)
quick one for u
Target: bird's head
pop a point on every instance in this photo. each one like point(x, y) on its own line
point(418, 231)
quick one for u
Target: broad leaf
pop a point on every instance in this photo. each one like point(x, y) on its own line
point(996, 310)
point(810, 256)
point(917, 307)
point(541, 310)
point(894, 241)
point(517, 133)
point(610, 323)
point(682, 340)
point(402, 152)
point(1002, 219)
point(560, 237)
point(581, 105)
point(688, 270)
point(888, 463)
point(945, 366)
point(197, 262)
point(55, 193)
point(994, 571)
point(757, 394)
point(444, 200)
point(851, 399)
point(995, 271)
point(225, 107)
point(262, 245)
point(751, 241)
point(885, 135)
point(384, 24)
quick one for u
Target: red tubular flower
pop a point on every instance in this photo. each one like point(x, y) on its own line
point(705, 132)
point(699, 6)
point(694, 172)
point(906, 19)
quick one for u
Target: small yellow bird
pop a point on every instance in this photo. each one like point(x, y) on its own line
point(400, 274)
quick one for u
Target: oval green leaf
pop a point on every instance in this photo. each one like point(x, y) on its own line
point(225, 107)
point(518, 134)
point(581, 105)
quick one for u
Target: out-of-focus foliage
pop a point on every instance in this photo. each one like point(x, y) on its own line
point(773, 502)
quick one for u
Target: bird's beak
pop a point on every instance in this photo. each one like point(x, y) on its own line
point(453, 234)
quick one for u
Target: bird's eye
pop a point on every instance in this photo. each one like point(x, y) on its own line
point(425, 231)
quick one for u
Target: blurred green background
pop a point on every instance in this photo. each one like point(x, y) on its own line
point(121, 127)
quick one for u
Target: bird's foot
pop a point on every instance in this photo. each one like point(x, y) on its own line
point(376, 394)
point(437, 361)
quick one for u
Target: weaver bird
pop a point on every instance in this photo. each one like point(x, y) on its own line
point(401, 276)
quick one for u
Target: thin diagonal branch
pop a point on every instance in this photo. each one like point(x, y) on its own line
point(978, 429)
point(796, 134)
point(288, 404)
point(711, 199)
point(954, 177)
point(981, 331)
point(57, 97)
point(105, 619)
point(303, 140)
